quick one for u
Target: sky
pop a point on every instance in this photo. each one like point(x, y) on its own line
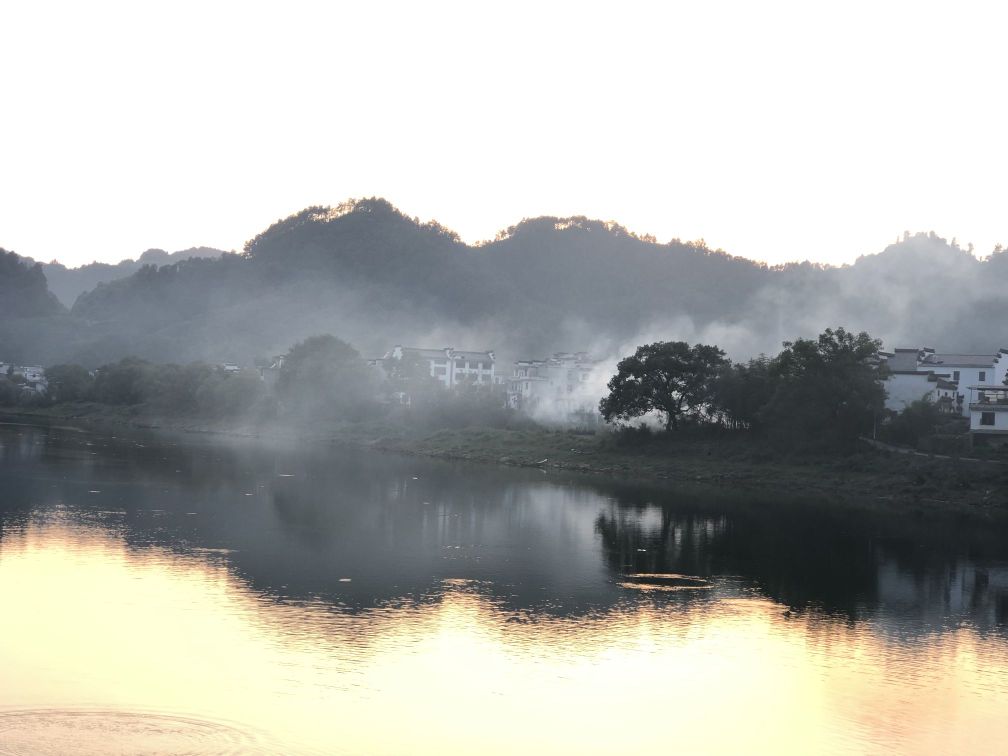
point(777, 131)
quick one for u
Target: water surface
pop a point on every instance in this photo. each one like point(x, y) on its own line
point(184, 594)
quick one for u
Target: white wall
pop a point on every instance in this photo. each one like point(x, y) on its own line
point(970, 376)
point(1000, 422)
point(904, 388)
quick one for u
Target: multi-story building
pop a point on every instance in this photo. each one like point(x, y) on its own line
point(32, 377)
point(558, 386)
point(451, 367)
point(988, 414)
point(922, 373)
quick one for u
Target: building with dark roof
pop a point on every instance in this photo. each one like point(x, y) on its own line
point(451, 367)
point(922, 373)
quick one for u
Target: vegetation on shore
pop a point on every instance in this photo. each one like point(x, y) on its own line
point(869, 478)
point(790, 422)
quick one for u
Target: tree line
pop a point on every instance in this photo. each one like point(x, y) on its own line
point(821, 392)
point(322, 378)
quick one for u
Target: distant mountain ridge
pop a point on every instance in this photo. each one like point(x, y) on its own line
point(23, 290)
point(69, 283)
point(375, 277)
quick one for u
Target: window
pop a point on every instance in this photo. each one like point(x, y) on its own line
point(955, 375)
point(983, 377)
point(986, 418)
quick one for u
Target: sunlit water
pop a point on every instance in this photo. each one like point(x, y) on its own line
point(186, 595)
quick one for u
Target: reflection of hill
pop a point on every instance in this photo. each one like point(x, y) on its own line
point(299, 522)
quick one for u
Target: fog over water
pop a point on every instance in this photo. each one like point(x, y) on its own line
point(240, 595)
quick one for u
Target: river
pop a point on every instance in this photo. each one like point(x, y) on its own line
point(190, 594)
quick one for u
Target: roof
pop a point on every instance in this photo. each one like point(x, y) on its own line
point(904, 361)
point(428, 354)
point(444, 354)
point(962, 360)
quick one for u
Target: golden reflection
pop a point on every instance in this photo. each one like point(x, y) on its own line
point(89, 622)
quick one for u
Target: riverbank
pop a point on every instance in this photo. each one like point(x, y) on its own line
point(872, 478)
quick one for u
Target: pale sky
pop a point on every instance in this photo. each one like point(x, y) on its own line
point(777, 131)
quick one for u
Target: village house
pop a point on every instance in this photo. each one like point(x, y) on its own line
point(451, 367)
point(921, 373)
point(556, 385)
point(988, 413)
point(31, 377)
point(270, 373)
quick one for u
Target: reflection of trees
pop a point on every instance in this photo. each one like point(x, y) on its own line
point(298, 519)
point(804, 555)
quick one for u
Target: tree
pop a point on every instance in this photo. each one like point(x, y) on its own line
point(668, 377)
point(918, 419)
point(742, 390)
point(69, 383)
point(410, 376)
point(324, 376)
point(829, 390)
point(122, 382)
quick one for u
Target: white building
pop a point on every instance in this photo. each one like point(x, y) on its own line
point(31, 373)
point(452, 368)
point(922, 373)
point(270, 374)
point(34, 377)
point(988, 414)
point(557, 386)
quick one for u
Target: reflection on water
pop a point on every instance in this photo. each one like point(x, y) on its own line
point(194, 596)
point(112, 732)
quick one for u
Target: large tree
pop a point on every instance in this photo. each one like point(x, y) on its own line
point(69, 383)
point(828, 389)
point(671, 378)
point(324, 376)
point(742, 390)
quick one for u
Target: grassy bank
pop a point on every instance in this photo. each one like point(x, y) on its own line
point(870, 478)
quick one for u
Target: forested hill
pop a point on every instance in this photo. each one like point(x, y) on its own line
point(69, 283)
point(23, 290)
point(375, 277)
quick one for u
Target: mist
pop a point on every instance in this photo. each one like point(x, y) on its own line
point(374, 277)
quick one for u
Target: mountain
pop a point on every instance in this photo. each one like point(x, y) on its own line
point(23, 290)
point(30, 315)
point(375, 277)
point(69, 283)
point(369, 273)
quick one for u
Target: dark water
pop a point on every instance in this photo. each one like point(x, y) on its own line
point(185, 594)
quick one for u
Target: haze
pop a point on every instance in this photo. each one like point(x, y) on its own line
point(775, 131)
